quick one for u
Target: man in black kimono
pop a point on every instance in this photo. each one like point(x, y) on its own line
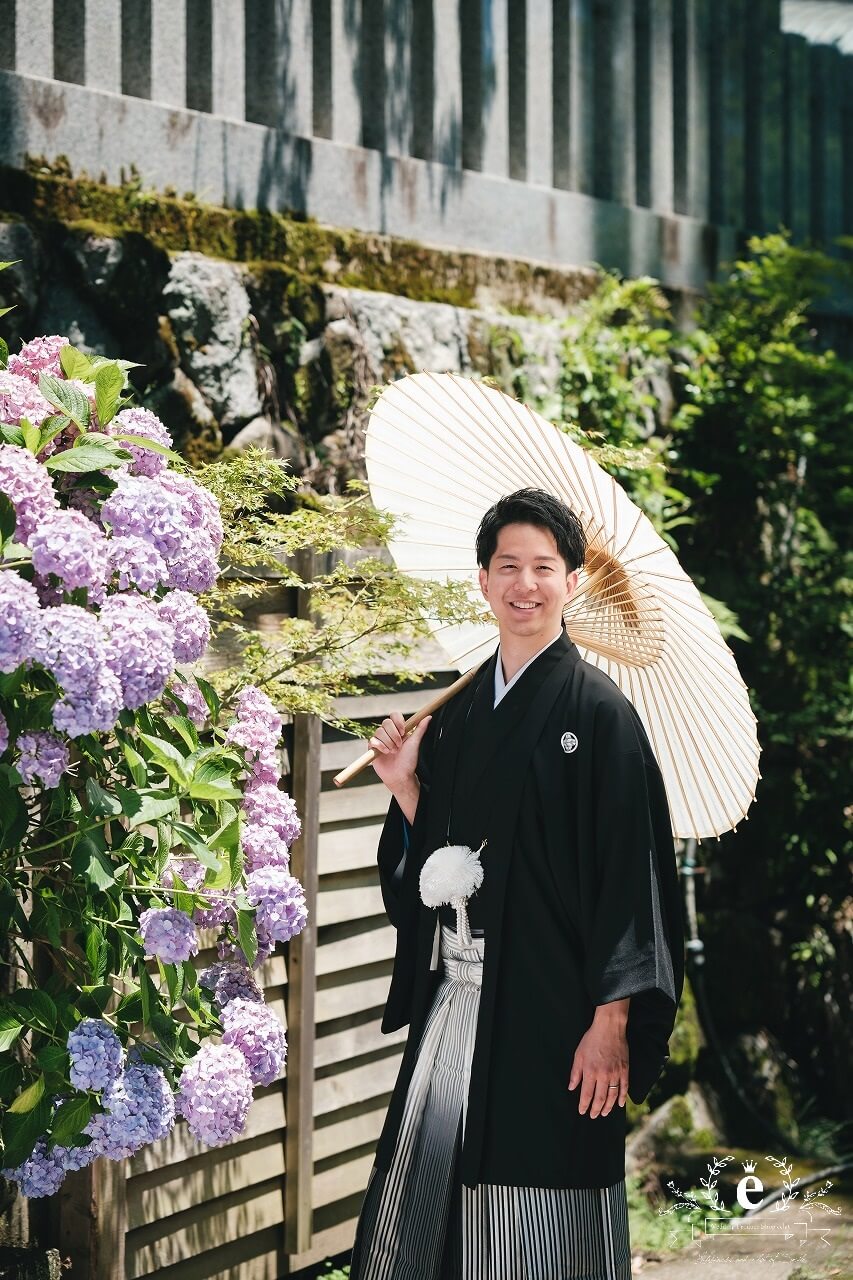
point(578, 930)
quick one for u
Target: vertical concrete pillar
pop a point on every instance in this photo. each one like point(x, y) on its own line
point(422, 52)
point(796, 165)
point(847, 145)
point(540, 94)
point(228, 60)
point(136, 48)
point(495, 87)
point(69, 41)
point(728, 114)
point(447, 81)
point(613, 101)
point(321, 67)
point(581, 105)
point(396, 35)
point(346, 72)
point(660, 162)
point(102, 37)
point(826, 66)
point(169, 52)
point(294, 66)
point(764, 116)
point(517, 14)
point(34, 37)
point(691, 103)
point(200, 55)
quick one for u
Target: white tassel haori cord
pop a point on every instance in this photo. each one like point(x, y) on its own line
point(449, 877)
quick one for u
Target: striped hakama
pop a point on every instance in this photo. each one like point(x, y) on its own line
point(420, 1222)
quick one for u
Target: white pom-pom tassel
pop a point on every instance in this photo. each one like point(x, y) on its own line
point(448, 878)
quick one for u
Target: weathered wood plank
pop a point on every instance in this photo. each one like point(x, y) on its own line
point(302, 954)
point(217, 1173)
point(343, 1045)
point(246, 1211)
point(348, 1087)
point(348, 849)
point(352, 997)
point(361, 948)
point(354, 803)
point(345, 1135)
point(376, 706)
point(337, 906)
point(342, 1181)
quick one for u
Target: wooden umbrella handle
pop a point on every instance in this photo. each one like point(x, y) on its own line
point(409, 725)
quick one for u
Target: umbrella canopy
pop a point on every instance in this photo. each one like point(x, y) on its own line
point(441, 449)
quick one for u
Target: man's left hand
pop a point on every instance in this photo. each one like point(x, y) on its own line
point(601, 1059)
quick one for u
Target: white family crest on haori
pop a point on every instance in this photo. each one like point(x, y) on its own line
point(569, 742)
point(449, 877)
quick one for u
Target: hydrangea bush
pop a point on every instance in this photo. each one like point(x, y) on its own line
point(136, 805)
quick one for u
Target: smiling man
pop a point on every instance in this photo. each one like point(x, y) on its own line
point(503, 1151)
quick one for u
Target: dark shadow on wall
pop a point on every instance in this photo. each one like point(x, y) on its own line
point(272, 100)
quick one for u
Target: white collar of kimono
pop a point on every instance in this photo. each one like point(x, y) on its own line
point(501, 685)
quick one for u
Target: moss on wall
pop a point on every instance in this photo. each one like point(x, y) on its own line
point(306, 253)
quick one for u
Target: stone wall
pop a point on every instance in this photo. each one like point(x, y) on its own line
point(643, 135)
point(239, 353)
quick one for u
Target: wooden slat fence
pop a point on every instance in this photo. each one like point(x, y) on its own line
point(283, 1196)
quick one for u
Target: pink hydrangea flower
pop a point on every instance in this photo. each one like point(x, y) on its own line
point(142, 422)
point(26, 483)
point(38, 356)
point(215, 1093)
point(72, 548)
point(189, 622)
point(20, 398)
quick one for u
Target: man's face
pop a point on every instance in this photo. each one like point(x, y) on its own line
point(526, 583)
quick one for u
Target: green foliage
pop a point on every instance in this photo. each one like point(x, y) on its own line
point(748, 462)
point(362, 617)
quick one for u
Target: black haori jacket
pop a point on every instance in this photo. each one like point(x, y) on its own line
point(580, 905)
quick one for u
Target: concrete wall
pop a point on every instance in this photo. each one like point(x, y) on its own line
point(641, 134)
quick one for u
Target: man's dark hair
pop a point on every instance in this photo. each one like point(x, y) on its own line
point(533, 506)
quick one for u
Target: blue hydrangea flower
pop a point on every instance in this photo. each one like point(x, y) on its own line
point(96, 1053)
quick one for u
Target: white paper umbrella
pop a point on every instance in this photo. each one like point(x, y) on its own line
point(441, 449)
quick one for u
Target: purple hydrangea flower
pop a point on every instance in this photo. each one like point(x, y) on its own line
point(20, 398)
point(71, 547)
point(215, 1093)
point(267, 806)
point(140, 648)
point(230, 980)
point(189, 622)
point(195, 567)
point(168, 934)
point(216, 908)
point(257, 724)
point(264, 847)
point(190, 871)
point(41, 1173)
point(72, 645)
point(136, 562)
point(201, 510)
point(77, 1157)
point(4, 733)
point(26, 482)
point(279, 899)
point(20, 619)
point(140, 1108)
point(38, 356)
point(142, 422)
point(192, 698)
point(258, 1034)
point(44, 758)
point(143, 507)
point(96, 1053)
